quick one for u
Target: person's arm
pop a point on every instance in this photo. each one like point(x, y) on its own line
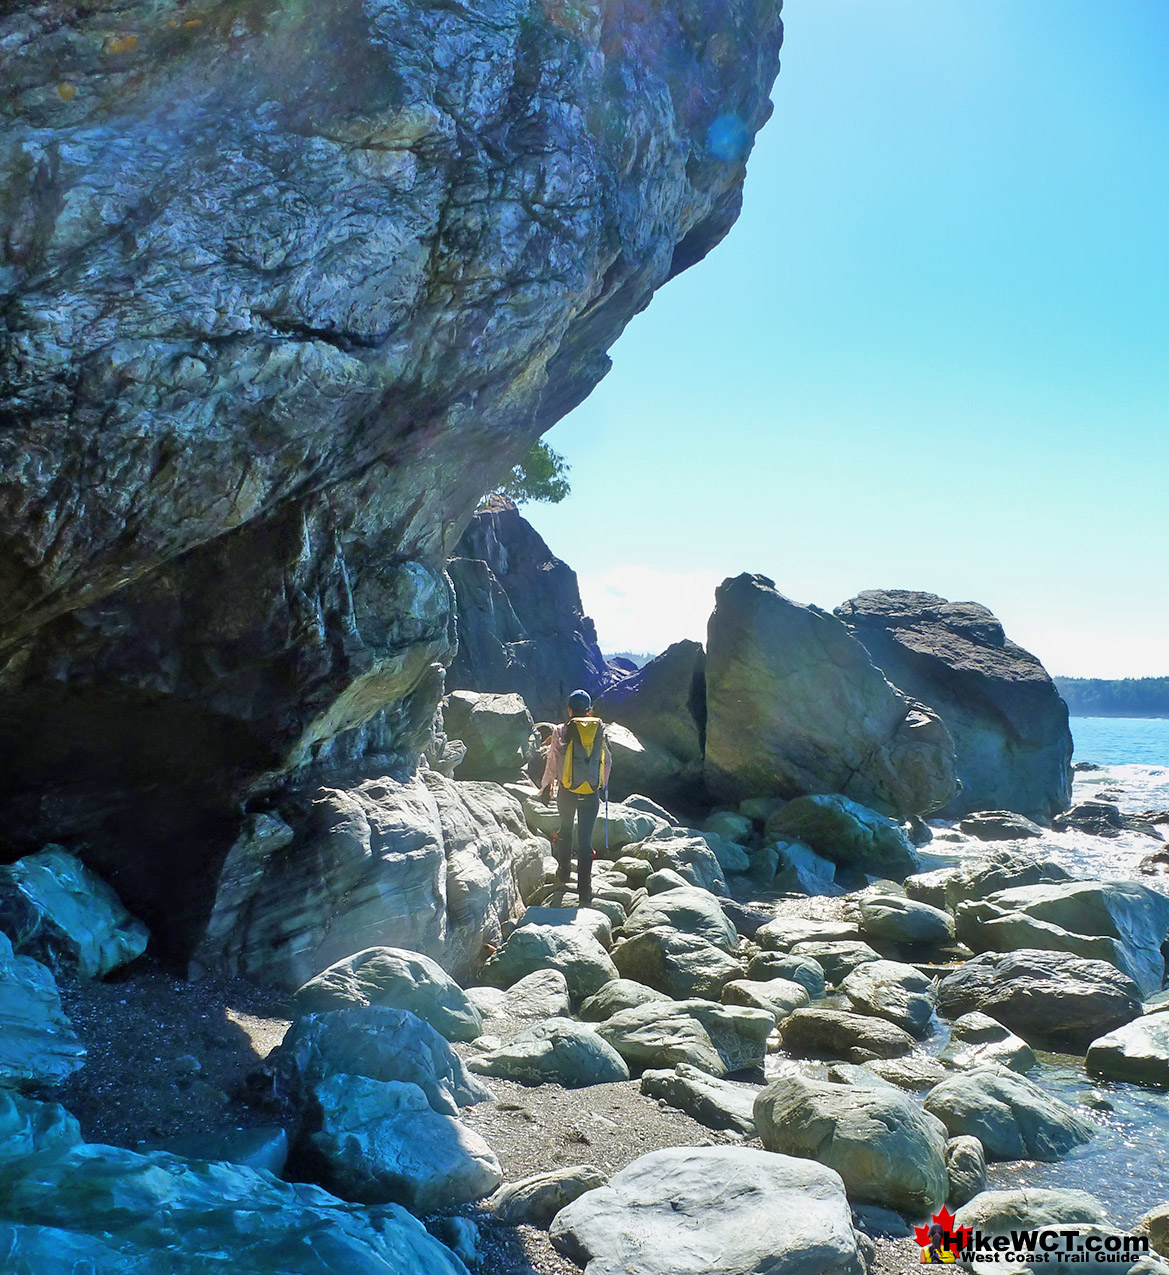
point(553, 764)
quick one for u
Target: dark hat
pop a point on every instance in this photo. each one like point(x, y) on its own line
point(580, 702)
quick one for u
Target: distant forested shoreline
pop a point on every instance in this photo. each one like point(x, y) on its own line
point(1122, 697)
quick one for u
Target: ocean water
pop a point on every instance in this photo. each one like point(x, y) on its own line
point(1121, 741)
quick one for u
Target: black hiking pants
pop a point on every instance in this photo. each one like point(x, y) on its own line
point(579, 808)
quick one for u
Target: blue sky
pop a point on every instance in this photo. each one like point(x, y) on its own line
point(933, 353)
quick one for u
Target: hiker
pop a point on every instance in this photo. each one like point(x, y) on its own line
point(577, 770)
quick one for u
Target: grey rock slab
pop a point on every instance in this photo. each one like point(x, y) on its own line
point(535, 1201)
point(1012, 1118)
point(778, 996)
point(785, 932)
point(801, 870)
point(717, 1039)
point(663, 880)
point(38, 1045)
point(902, 920)
point(836, 1034)
point(688, 910)
point(1006, 868)
point(380, 1142)
point(977, 1040)
point(965, 1169)
point(914, 1072)
point(495, 729)
point(1137, 1052)
point(589, 919)
point(257, 1147)
point(681, 965)
point(560, 1051)
point(621, 993)
point(804, 970)
point(694, 1211)
point(689, 854)
point(1045, 997)
point(849, 833)
point(398, 979)
point(899, 993)
point(836, 959)
point(541, 994)
point(570, 949)
point(718, 1104)
point(999, 825)
point(885, 1148)
point(380, 1044)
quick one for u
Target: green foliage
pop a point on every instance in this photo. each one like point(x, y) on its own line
point(542, 476)
point(1126, 697)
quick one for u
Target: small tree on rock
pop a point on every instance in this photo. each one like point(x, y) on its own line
point(541, 476)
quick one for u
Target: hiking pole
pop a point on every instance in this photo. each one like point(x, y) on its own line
point(606, 821)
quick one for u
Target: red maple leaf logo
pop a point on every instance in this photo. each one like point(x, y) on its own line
point(945, 1219)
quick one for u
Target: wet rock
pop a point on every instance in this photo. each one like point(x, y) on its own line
point(688, 910)
point(977, 1040)
point(1117, 921)
point(896, 920)
point(785, 932)
point(1012, 1118)
point(1137, 1052)
point(848, 833)
point(496, 730)
point(885, 1148)
point(38, 1045)
point(858, 1074)
point(837, 960)
point(54, 909)
point(571, 949)
point(965, 1169)
point(380, 1044)
point(621, 993)
point(833, 1033)
point(681, 965)
point(1102, 819)
point(778, 996)
point(899, 993)
point(794, 705)
point(560, 1052)
point(913, 1072)
point(1046, 997)
point(1003, 869)
point(718, 1104)
point(717, 1039)
point(1009, 726)
point(399, 980)
point(683, 1210)
point(999, 825)
point(380, 1142)
point(799, 969)
point(535, 1201)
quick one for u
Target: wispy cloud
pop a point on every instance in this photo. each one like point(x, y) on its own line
point(644, 609)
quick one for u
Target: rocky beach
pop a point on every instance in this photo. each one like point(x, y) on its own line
point(291, 980)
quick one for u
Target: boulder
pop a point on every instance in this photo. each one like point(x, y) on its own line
point(977, 1040)
point(1155, 1224)
point(665, 879)
point(837, 960)
point(729, 824)
point(399, 980)
point(30, 1128)
point(688, 910)
point(885, 1148)
point(799, 969)
point(54, 909)
point(571, 949)
point(640, 767)
point(627, 826)
point(718, 1104)
point(890, 990)
point(380, 1044)
point(591, 920)
point(621, 993)
point(430, 865)
point(636, 871)
point(1137, 1052)
point(694, 1210)
point(914, 1072)
point(557, 1052)
point(256, 1147)
point(1003, 869)
point(778, 996)
point(38, 1045)
point(848, 833)
point(891, 919)
point(381, 1141)
point(1008, 724)
point(999, 825)
point(1012, 1118)
point(535, 1201)
point(717, 1039)
point(794, 705)
point(1121, 922)
point(785, 932)
point(800, 870)
point(541, 994)
point(1000, 1212)
point(929, 887)
point(1046, 997)
point(1103, 819)
point(496, 730)
point(687, 853)
point(834, 1033)
point(681, 965)
point(965, 1169)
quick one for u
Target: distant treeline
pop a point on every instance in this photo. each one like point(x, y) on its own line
point(1124, 697)
point(640, 658)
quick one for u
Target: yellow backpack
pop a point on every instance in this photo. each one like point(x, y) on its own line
point(585, 751)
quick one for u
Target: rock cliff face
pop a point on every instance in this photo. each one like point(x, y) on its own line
point(1010, 728)
point(284, 288)
point(521, 626)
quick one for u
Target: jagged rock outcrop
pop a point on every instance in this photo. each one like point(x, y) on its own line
point(794, 706)
point(1012, 744)
point(520, 623)
point(283, 291)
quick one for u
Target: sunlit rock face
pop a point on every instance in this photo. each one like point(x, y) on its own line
point(284, 288)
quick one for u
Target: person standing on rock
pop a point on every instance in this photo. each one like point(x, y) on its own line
point(577, 770)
